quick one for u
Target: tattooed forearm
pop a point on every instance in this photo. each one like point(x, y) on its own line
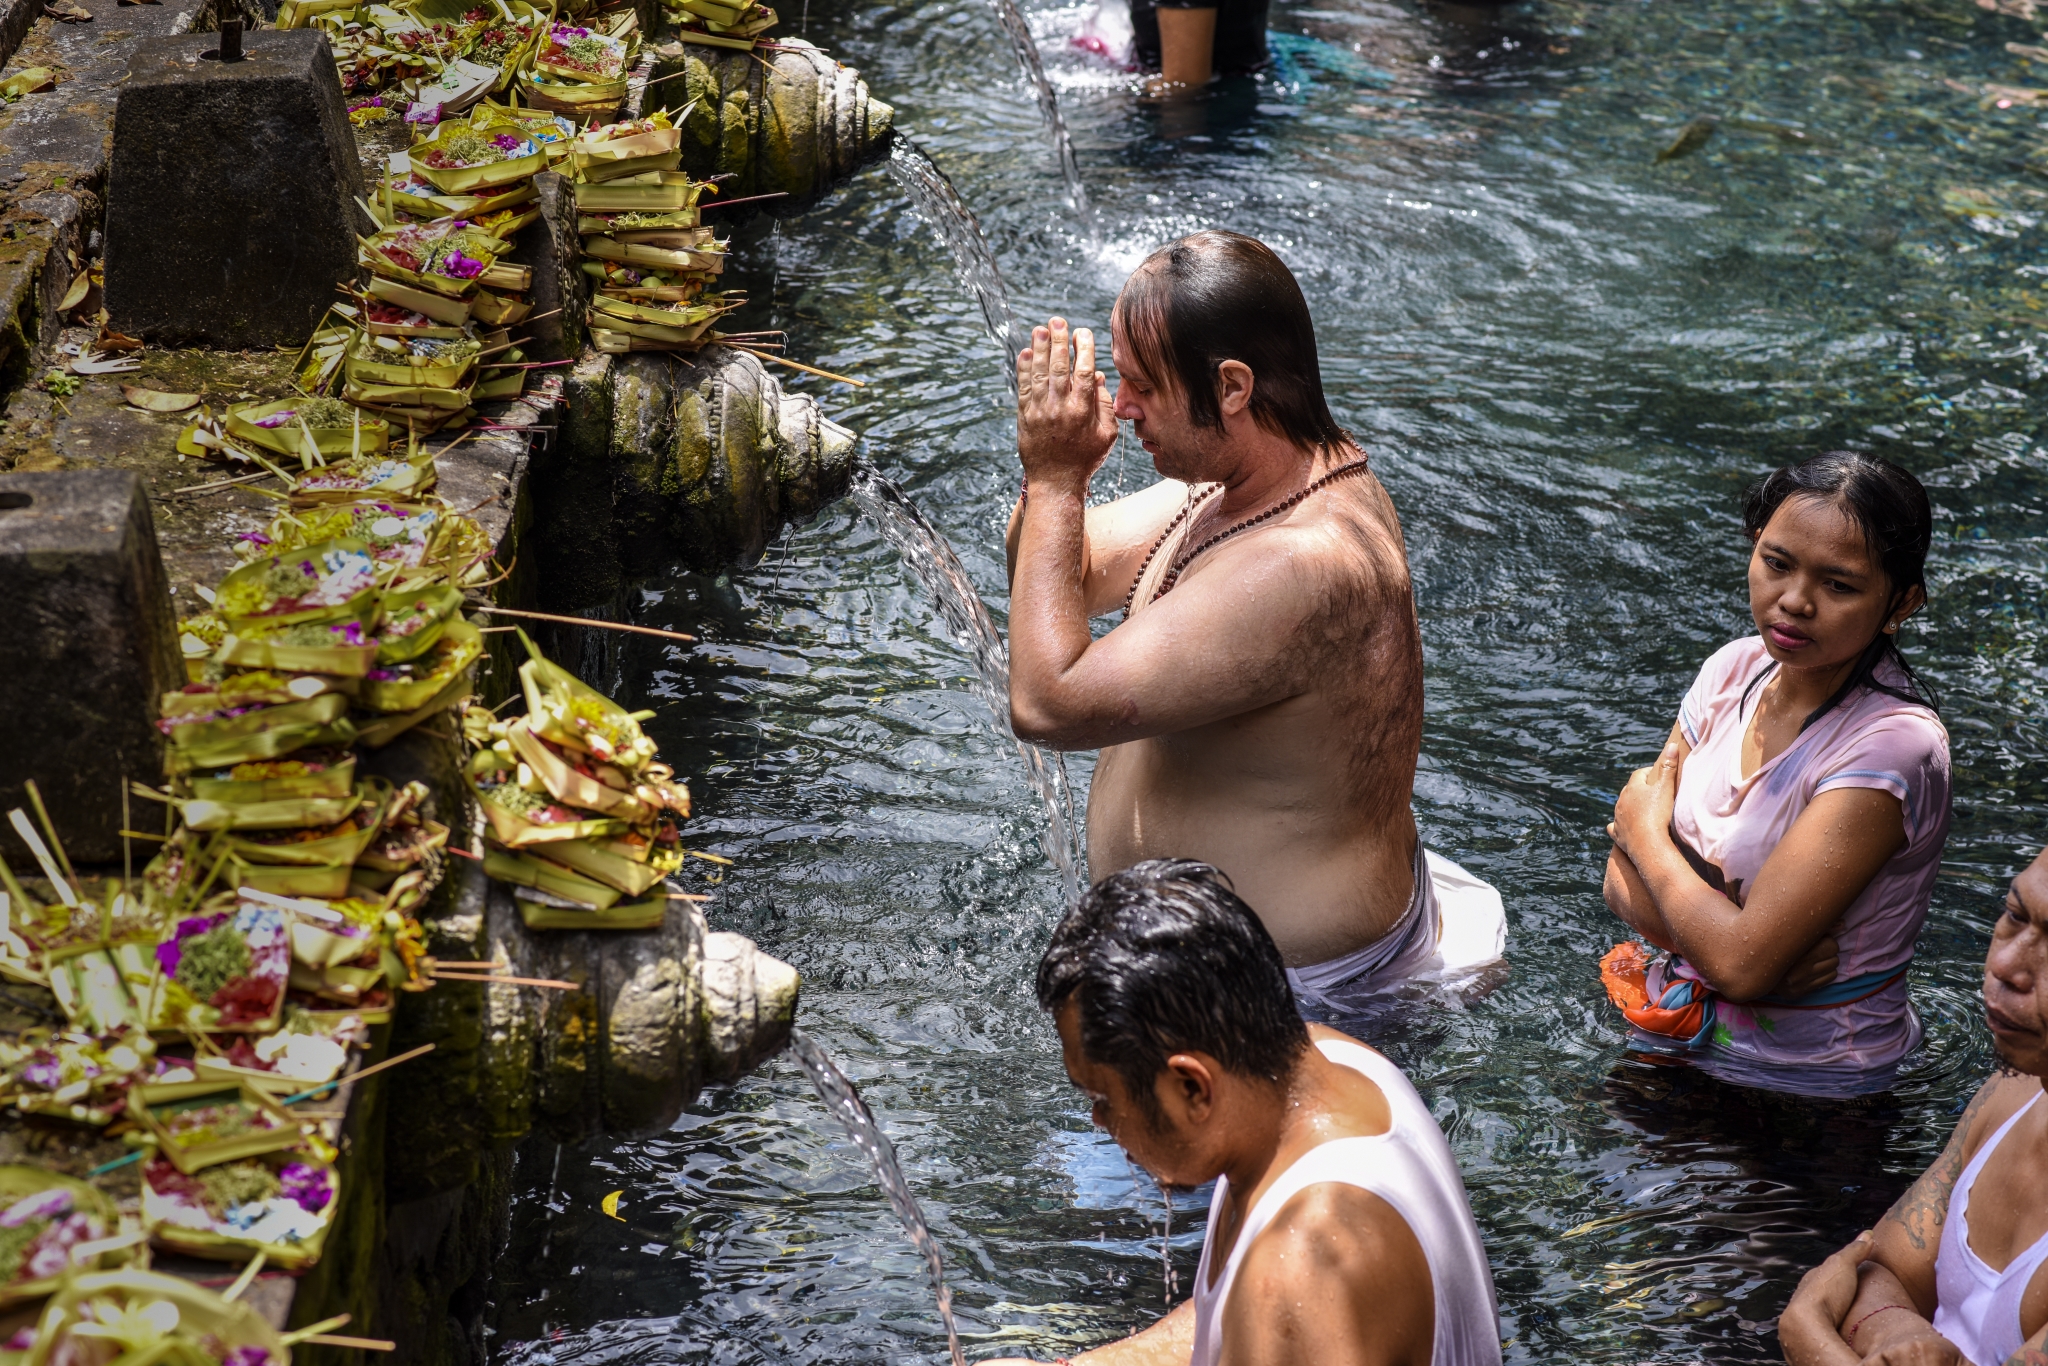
point(2027, 1356)
point(1921, 1210)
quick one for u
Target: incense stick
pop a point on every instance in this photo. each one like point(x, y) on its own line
point(507, 981)
point(794, 365)
point(218, 484)
point(743, 199)
point(586, 621)
point(356, 1076)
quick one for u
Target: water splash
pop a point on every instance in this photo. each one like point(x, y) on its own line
point(1021, 43)
point(935, 200)
point(1172, 1278)
point(842, 1097)
point(932, 559)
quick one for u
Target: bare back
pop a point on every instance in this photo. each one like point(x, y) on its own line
point(1302, 795)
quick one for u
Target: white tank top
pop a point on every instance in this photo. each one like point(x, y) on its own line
point(1411, 1168)
point(1976, 1308)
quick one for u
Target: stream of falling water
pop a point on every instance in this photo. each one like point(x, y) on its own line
point(842, 1098)
point(932, 559)
point(1026, 48)
point(934, 200)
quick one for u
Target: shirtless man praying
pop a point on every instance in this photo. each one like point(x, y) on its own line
point(1260, 706)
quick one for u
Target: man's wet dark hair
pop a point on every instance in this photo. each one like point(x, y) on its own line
point(1164, 958)
point(1218, 296)
point(1889, 506)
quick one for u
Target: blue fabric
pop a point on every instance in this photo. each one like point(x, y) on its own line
point(1681, 993)
point(1837, 993)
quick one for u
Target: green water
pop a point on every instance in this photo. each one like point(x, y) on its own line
point(1567, 361)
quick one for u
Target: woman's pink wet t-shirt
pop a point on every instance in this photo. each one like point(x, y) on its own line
point(1870, 740)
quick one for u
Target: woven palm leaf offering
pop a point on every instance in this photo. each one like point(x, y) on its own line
point(82, 1077)
point(499, 39)
point(369, 57)
point(49, 1225)
point(143, 1317)
point(346, 948)
point(581, 818)
point(310, 430)
point(459, 158)
point(545, 128)
point(448, 257)
point(229, 1121)
point(309, 774)
point(302, 13)
point(225, 970)
point(252, 716)
point(627, 148)
point(714, 23)
point(413, 544)
point(291, 861)
point(436, 678)
point(280, 1204)
point(305, 1051)
point(580, 69)
point(454, 89)
point(629, 325)
point(301, 611)
point(646, 192)
point(392, 476)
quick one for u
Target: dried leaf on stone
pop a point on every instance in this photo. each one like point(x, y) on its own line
point(74, 296)
point(110, 340)
point(98, 364)
point(157, 401)
point(68, 12)
point(27, 82)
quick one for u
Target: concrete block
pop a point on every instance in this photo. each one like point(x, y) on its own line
point(90, 646)
point(230, 192)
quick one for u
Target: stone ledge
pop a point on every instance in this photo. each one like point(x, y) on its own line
point(53, 160)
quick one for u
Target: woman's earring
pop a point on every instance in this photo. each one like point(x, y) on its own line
point(1892, 629)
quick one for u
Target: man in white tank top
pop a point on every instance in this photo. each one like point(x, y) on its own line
point(1339, 1234)
point(1957, 1272)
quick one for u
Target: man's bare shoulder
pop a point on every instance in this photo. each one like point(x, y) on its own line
point(1303, 1290)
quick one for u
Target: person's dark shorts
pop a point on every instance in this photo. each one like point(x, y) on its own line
point(1240, 32)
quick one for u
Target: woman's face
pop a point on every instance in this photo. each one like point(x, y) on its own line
point(1818, 595)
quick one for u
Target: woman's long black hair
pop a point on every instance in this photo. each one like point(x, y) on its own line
point(1890, 507)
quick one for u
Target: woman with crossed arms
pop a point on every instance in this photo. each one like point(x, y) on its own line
point(1783, 848)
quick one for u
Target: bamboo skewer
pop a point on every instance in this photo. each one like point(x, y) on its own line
point(586, 621)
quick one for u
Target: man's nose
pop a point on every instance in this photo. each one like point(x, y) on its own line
point(1127, 409)
point(2014, 963)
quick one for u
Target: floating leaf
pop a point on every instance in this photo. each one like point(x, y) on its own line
point(611, 1206)
point(1690, 139)
point(157, 401)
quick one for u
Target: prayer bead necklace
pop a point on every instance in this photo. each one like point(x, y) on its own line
point(1182, 561)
